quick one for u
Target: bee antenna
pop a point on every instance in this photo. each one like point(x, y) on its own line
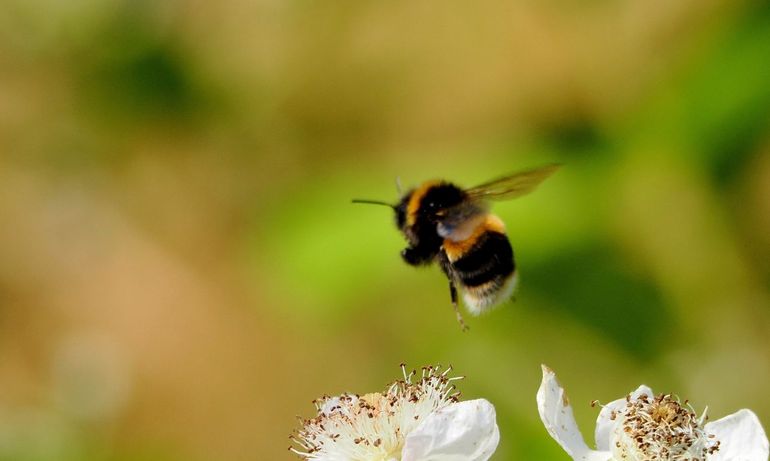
point(373, 202)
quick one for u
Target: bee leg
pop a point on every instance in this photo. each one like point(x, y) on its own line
point(453, 294)
point(411, 257)
point(417, 256)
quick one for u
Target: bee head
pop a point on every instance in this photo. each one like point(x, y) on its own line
point(437, 199)
point(421, 209)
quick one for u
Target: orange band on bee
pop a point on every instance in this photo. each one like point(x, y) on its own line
point(414, 201)
point(456, 250)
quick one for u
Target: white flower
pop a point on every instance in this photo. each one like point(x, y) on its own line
point(643, 427)
point(413, 420)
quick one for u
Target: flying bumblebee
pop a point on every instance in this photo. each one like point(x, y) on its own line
point(445, 223)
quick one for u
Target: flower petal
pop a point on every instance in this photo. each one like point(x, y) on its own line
point(605, 424)
point(556, 413)
point(458, 432)
point(742, 437)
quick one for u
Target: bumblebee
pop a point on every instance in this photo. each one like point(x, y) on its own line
point(452, 226)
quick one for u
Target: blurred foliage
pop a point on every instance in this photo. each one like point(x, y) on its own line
point(182, 272)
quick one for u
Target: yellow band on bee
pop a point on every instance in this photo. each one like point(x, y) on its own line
point(414, 201)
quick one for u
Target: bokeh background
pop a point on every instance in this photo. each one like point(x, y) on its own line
point(182, 272)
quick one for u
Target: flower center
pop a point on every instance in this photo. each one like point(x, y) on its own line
point(660, 428)
point(373, 427)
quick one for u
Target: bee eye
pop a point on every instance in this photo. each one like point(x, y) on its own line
point(431, 204)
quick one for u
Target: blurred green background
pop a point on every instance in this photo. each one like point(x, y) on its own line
point(181, 271)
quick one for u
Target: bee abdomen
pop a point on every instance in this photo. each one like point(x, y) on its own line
point(489, 259)
point(483, 297)
point(485, 270)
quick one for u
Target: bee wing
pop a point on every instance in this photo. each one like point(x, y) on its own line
point(512, 186)
point(458, 214)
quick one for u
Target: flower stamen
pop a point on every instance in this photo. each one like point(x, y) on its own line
point(374, 426)
point(660, 428)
